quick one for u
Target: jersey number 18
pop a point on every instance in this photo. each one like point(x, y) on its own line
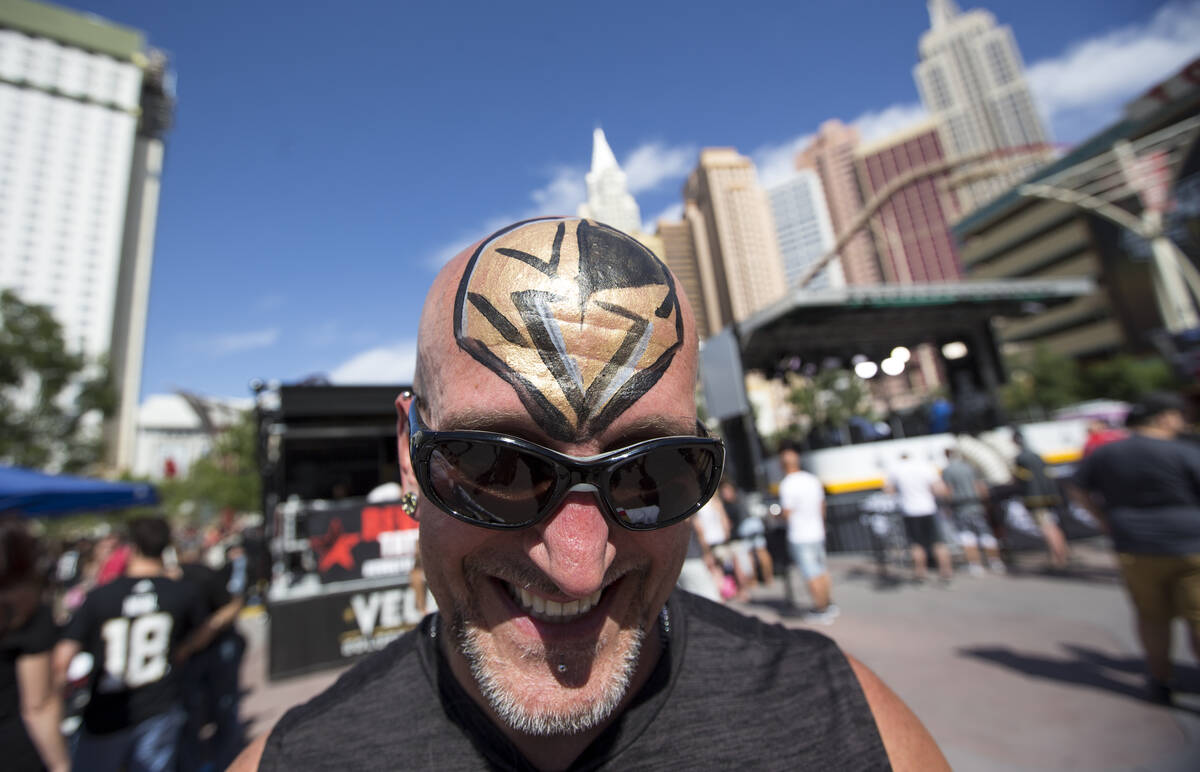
point(135, 650)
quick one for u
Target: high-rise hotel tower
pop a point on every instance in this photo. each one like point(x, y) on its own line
point(831, 156)
point(804, 229)
point(84, 106)
point(733, 230)
point(972, 82)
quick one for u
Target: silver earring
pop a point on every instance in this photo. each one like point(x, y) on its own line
point(408, 502)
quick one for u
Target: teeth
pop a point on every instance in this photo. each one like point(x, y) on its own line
point(552, 610)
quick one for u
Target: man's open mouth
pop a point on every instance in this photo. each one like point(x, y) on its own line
point(550, 610)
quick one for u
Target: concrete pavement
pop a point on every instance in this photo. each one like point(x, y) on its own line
point(1022, 671)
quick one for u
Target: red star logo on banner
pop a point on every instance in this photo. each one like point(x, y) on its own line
point(335, 547)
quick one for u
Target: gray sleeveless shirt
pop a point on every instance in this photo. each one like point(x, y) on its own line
point(728, 691)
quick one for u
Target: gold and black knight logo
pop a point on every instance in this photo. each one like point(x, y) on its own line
point(579, 318)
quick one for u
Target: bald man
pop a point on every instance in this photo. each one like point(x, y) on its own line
point(553, 444)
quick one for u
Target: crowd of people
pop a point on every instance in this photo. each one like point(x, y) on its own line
point(966, 507)
point(121, 651)
point(936, 505)
point(953, 504)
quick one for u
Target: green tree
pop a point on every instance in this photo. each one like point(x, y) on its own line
point(1040, 380)
point(830, 398)
point(226, 477)
point(52, 400)
point(1125, 377)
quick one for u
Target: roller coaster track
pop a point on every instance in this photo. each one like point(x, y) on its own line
point(1000, 161)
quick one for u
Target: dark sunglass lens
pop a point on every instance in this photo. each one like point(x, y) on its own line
point(660, 485)
point(491, 482)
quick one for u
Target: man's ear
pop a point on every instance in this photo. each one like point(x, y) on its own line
point(408, 479)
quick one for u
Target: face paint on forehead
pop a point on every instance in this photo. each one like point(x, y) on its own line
point(579, 318)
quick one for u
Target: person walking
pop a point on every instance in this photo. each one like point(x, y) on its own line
point(802, 499)
point(1100, 433)
point(967, 493)
point(211, 693)
point(139, 628)
point(30, 706)
point(1145, 489)
point(750, 537)
point(1040, 496)
point(917, 485)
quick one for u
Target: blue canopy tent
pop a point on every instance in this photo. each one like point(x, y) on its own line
point(26, 492)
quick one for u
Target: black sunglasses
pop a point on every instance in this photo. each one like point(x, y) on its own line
point(497, 481)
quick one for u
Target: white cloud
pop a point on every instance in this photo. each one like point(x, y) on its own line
point(672, 212)
point(383, 364)
point(563, 194)
point(1080, 90)
point(777, 162)
point(652, 164)
point(877, 124)
point(649, 166)
point(1100, 74)
point(440, 256)
point(235, 342)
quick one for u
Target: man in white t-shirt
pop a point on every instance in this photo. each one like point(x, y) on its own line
point(802, 499)
point(917, 484)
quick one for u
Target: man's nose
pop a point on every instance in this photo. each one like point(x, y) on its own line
point(573, 550)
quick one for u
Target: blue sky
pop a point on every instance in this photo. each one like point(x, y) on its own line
point(327, 159)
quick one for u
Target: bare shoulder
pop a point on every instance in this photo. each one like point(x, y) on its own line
point(906, 740)
point(248, 760)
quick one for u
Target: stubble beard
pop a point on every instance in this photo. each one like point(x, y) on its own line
point(535, 717)
point(511, 692)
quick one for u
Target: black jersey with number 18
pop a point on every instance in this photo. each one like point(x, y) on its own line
point(132, 626)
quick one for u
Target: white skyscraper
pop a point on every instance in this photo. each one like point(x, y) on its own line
point(804, 228)
point(972, 81)
point(84, 109)
point(608, 200)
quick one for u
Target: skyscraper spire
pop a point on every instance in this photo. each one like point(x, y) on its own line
point(602, 154)
point(608, 200)
point(941, 12)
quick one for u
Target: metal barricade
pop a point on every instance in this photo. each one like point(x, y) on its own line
point(868, 522)
point(848, 521)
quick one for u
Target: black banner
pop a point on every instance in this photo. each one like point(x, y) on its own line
point(336, 628)
point(355, 540)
